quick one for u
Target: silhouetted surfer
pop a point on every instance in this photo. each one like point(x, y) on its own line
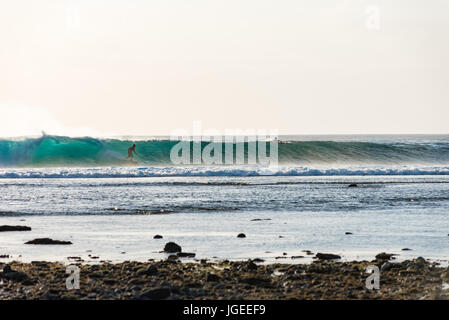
point(130, 152)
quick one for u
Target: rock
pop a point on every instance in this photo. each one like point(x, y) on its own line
point(158, 236)
point(156, 294)
point(297, 257)
point(327, 256)
point(7, 268)
point(141, 272)
point(14, 228)
point(406, 249)
point(352, 185)
point(421, 260)
point(152, 271)
point(110, 281)
point(251, 265)
point(241, 235)
point(386, 266)
point(258, 260)
point(4, 256)
point(47, 241)
point(255, 281)
point(186, 255)
point(384, 256)
point(161, 211)
point(12, 275)
point(172, 247)
point(348, 233)
point(212, 277)
point(172, 257)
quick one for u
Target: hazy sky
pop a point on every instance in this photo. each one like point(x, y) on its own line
point(142, 67)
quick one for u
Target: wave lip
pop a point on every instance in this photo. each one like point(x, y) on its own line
point(243, 171)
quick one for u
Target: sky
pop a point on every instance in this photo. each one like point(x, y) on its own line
point(146, 67)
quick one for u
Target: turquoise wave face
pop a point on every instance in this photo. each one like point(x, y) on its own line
point(55, 151)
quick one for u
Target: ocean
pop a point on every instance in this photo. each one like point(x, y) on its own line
point(84, 190)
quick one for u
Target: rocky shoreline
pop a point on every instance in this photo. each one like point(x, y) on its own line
point(173, 279)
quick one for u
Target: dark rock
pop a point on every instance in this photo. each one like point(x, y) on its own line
point(186, 255)
point(420, 260)
point(212, 277)
point(251, 265)
point(14, 228)
point(152, 271)
point(16, 276)
point(110, 282)
point(327, 256)
point(352, 185)
point(172, 257)
point(7, 268)
point(297, 257)
point(386, 266)
point(158, 236)
point(156, 294)
point(406, 249)
point(4, 256)
point(258, 260)
point(348, 233)
point(172, 247)
point(384, 256)
point(47, 241)
point(161, 211)
point(40, 263)
point(241, 235)
point(256, 281)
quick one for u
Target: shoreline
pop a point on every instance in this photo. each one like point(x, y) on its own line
point(226, 280)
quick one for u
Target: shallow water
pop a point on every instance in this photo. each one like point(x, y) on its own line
point(111, 217)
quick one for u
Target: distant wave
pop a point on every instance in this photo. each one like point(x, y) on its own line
point(56, 151)
point(243, 171)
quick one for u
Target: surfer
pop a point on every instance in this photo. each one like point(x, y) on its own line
point(130, 152)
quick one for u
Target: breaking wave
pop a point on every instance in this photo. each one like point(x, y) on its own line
point(67, 152)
